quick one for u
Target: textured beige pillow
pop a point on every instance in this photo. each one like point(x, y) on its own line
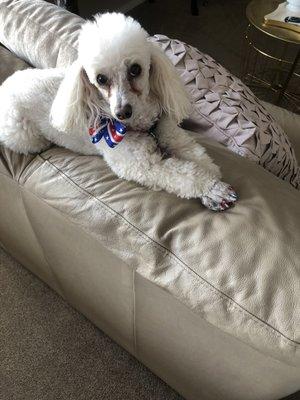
point(226, 110)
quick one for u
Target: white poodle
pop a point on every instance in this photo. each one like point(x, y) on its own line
point(120, 75)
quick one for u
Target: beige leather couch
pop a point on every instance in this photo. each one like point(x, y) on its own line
point(209, 302)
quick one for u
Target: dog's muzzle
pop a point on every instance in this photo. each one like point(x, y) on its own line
point(124, 112)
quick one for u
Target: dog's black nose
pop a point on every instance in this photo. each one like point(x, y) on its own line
point(125, 112)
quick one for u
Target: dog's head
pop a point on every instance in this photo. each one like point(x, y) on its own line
point(118, 73)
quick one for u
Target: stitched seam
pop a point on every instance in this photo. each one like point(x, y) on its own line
point(50, 269)
point(93, 235)
point(167, 253)
point(134, 312)
point(28, 166)
point(51, 272)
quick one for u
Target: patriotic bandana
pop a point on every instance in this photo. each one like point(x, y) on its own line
point(110, 129)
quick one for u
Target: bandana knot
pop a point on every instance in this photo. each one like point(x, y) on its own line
point(110, 129)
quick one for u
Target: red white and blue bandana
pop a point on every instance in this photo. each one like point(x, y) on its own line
point(110, 129)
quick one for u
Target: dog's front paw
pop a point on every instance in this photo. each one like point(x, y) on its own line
point(219, 197)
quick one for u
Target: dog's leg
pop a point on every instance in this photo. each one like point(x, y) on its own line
point(17, 130)
point(182, 145)
point(138, 159)
point(21, 136)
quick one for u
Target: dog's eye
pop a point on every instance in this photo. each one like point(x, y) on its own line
point(102, 79)
point(135, 70)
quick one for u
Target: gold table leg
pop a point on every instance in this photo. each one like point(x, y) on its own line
point(288, 78)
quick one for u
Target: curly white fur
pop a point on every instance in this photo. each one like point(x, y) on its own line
point(57, 105)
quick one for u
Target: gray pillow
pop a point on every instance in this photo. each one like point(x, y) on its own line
point(227, 111)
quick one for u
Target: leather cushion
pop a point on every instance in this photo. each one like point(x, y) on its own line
point(239, 270)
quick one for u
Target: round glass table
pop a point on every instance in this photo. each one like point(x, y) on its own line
point(271, 57)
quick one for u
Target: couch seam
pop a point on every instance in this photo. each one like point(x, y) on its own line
point(168, 253)
point(97, 239)
point(28, 166)
point(62, 293)
point(53, 275)
point(134, 312)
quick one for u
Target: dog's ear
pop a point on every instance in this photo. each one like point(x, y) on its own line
point(68, 111)
point(165, 83)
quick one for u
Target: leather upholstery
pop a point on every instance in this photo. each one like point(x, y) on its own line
point(225, 267)
point(191, 293)
point(197, 359)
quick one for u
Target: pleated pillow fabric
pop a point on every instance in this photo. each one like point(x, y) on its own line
point(227, 111)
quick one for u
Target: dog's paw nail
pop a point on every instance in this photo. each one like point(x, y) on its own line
point(233, 196)
point(224, 204)
point(221, 197)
